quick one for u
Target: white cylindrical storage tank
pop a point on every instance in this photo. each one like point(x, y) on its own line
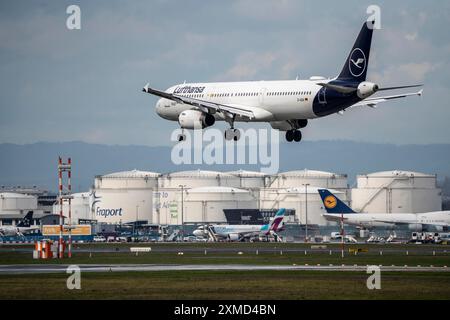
point(198, 178)
point(396, 192)
point(206, 204)
point(293, 179)
point(250, 179)
point(305, 202)
point(290, 184)
point(124, 196)
point(168, 197)
point(81, 208)
point(10, 201)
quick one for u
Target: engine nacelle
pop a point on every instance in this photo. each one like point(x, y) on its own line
point(194, 119)
point(366, 89)
point(415, 226)
point(233, 237)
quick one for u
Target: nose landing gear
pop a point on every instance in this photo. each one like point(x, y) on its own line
point(182, 136)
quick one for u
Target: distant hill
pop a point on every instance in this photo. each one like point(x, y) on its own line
point(36, 164)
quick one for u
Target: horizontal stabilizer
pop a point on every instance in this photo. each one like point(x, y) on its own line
point(400, 87)
point(338, 88)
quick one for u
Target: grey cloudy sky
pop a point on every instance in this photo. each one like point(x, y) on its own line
point(62, 85)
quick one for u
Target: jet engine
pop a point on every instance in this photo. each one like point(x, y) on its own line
point(233, 237)
point(194, 119)
point(366, 89)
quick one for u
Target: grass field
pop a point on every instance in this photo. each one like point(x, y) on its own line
point(228, 258)
point(234, 285)
point(391, 255)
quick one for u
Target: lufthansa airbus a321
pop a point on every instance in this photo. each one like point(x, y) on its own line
point(286, 105)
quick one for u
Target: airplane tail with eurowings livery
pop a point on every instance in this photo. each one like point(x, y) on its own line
point(276, 224)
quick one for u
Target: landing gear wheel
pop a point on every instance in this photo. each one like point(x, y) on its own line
point(232, 134)
point(290, 135)
point(181, 137)
point(297, 135)
point(229, 134)
point(237, 135)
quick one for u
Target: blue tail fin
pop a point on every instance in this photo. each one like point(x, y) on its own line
point(332, 203)
point(355, 67)
point(26, 221)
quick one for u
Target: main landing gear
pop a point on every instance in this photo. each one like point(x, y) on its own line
point(293, 135)
point(232, 133)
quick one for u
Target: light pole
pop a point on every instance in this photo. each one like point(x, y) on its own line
point(137, 219)
point(306, 210)
point(182, 186)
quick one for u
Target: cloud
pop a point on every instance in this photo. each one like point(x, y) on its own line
point(267, 9)
point(248, 65)
point(411, 36)
point(404, 73)
point(93, 76)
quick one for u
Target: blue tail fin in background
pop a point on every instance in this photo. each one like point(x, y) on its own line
point(355, 67)
point(26, 221)
point(332, 203)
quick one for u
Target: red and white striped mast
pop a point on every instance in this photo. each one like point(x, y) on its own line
point(64, 167)
point(60, 241)
point(69, 188)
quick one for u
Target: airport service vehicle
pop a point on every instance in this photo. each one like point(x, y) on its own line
point(242, 231)
point(428, 237)
point(24, 226)
point(99, 239)
point(287, 105)
point(338, 210)
point(338, 236)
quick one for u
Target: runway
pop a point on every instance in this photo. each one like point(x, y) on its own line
point(49, 268)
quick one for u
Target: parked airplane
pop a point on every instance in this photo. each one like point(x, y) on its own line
point(242, 231)
point(286, 105)
point(22, 227)
point(336, 210)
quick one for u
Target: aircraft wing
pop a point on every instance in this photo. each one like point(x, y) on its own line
point(206, 106)
point(372, 102)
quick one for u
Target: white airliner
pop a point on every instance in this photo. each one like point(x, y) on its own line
point(337, 210)
point(22, 227)
point(286, 105)
point(242, 231)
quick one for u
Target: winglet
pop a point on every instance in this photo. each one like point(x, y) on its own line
point(420, 93)
point(145, 88)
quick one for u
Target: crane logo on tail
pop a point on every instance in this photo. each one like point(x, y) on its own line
point(330, 202)
point(357, 62)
